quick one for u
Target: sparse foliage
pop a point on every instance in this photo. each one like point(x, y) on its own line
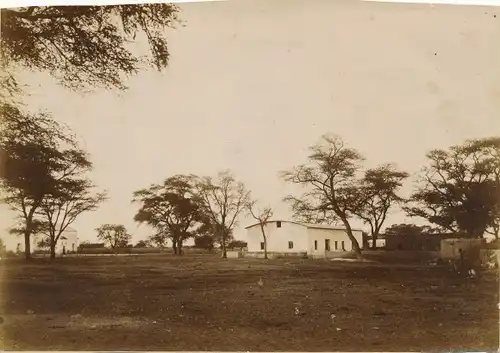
point(262, 216)
point(10, 89)
point(72, 196)
point(114, 235)
point(61, 209)
point(331, 185)
point(223, 199)
point(159, 238)
point(86, 46)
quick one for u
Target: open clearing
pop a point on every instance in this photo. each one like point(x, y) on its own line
point(205, 303)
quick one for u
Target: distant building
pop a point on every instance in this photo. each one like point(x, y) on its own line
point(68, 241)
point(428, 242)
point(452, 248)
point(300, 238)
point(380, 243)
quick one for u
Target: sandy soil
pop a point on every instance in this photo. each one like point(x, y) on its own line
point(205, 303)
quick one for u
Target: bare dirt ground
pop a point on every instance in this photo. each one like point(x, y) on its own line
point(205, 303)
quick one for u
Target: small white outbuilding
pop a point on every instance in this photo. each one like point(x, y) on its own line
point(68, 242)
point(300, 238)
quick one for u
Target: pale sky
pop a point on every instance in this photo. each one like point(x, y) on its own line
point(251, 84)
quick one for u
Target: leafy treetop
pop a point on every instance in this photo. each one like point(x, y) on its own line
point(86, 46)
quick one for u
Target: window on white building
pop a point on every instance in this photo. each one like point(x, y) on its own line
point(336, 245)
point(327, 244)
point(262, 246)
point(278, 224)
point(343, 245)
point(290, 245)
point(315, 245)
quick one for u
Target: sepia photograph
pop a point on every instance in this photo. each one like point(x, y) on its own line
point(250, 175)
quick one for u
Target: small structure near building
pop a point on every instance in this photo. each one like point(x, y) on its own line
point(287, 238)
point(470, 254)
point(231, 254)
point(380, 243)
point(416, 242)
point(68, 242)
point(455, 249)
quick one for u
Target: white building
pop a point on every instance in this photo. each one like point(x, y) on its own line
point(295, 237)
point(380, 243)
point(68, 241)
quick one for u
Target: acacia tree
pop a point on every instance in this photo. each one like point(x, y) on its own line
point(459, 190)
point(489, 151)
point(86, 46)
point(33, 154)
point(378, 189)
point(262, 216)
point(72, 198)
point(223, 199)
point(115, 235)
point(407, 230)
point(172, 209)
point(331, 185)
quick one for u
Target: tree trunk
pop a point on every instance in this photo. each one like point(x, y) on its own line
point(179, 247)
point(374, 241)
point(174, 246)
point(265, 240)
point(52, 251)
point(224, 253)
point(365, 245)
point(52, 247)
point(27, 246)
point(353, 240)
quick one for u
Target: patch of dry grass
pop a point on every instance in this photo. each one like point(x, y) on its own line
point(205, 303)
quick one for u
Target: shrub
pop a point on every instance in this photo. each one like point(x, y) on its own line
point(91, 245)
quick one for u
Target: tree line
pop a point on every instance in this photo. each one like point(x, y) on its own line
point(190, 206)
point(43, 176)
point(458, 191)
point(44, 171)
point(45, 181)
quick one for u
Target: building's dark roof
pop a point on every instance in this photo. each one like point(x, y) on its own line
point(437, 235)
